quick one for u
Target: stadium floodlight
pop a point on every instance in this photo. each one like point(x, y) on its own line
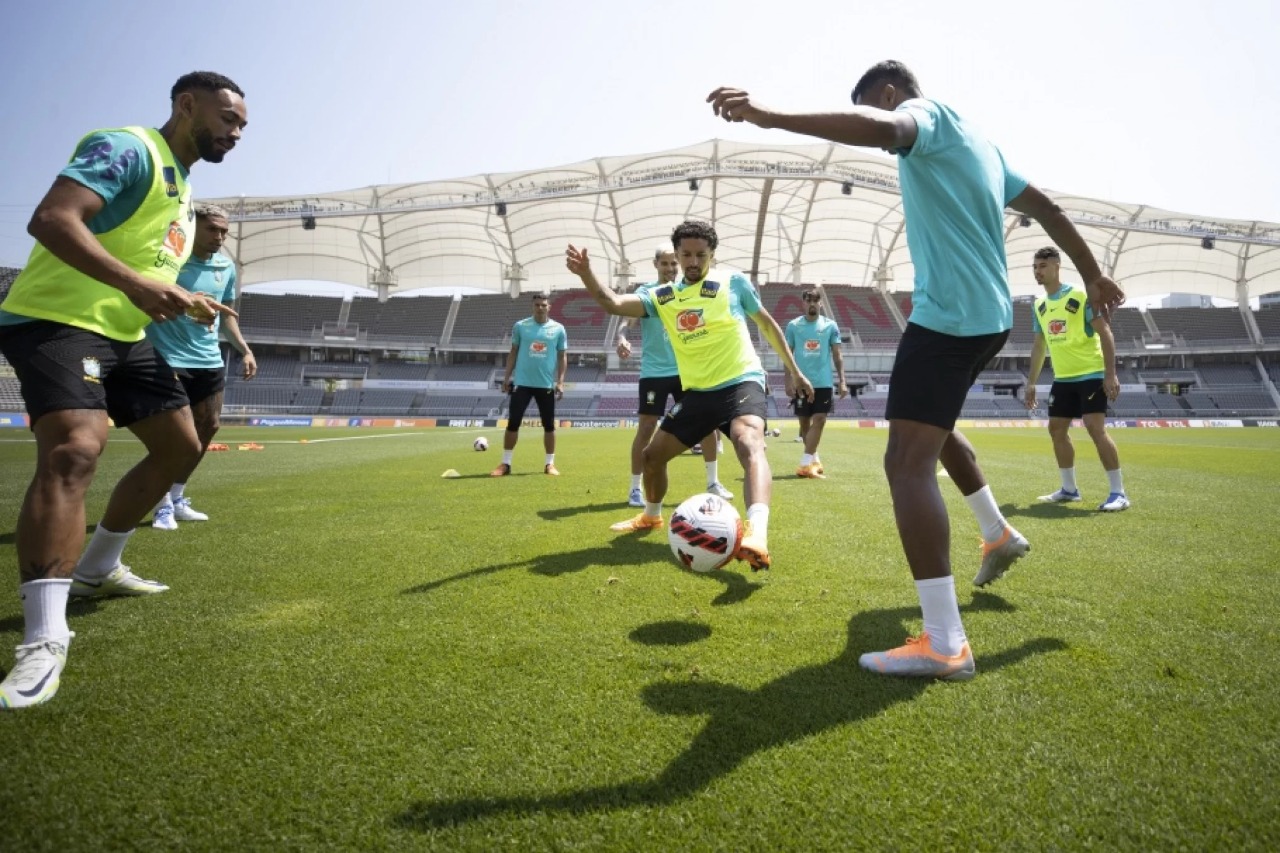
point(308, 223)
point(693, 185)
point(847, 188)
point(501, 208)
point(1206, 242)
point(1025, 221)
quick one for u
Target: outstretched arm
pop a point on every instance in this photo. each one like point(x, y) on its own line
point(773, 334)
point(1104, 294)
point(624, 305)
point(865, 126)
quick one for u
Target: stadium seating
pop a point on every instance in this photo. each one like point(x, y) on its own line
point(288, 313)
point(1219, 325)
point(401, 317)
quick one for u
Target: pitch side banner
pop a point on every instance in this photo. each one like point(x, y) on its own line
point(13, 419)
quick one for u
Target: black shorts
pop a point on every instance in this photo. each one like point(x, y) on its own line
point(654, 392)
point(201, 383)
point(1077, 399)
point(62, 367)
point(821, 405)
point(701, 412)
point(544, 397)
point(932, 374)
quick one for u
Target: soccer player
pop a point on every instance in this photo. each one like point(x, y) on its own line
point(705, 318)
point(111, 235)
point(538, 360)
point(660, 379)
point(955, 187)
point(815, 340)
point(1084, 377)
point(191, 348)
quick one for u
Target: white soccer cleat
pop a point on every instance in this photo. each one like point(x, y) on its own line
point(119, 581)
point(36, 675)
point(719, 491)
point(1062, 496)
point(184, 511)
point(635, 499)
point(1115, 502)
point(163, 518)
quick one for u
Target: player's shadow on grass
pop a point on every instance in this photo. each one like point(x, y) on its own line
point(1046, 510)
point(624, 552)
point(742, 722)
point(571, 511)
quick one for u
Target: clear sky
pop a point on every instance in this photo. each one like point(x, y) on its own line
point(1174, 104)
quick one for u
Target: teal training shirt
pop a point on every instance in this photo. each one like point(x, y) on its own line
point(811, 343)
point(656, 357)
point(955, 187)
point(182, 341)
point(537, 347)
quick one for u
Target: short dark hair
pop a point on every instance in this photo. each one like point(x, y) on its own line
point(205, 81)
point(204, 210)
point(695, 229)
point(889, 71)
point(1048, 253)
point(537, 296)
point(811, 293)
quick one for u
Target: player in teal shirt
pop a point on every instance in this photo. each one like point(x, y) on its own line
point(955, 186)
point(191, 349)
point(815, 341)
point(535, 371)
point(660, 379)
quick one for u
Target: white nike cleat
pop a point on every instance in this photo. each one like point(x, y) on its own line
point(1062, 496)
point(719, 491)
point(36, 675)
point(1115, 502)
point(119, 581)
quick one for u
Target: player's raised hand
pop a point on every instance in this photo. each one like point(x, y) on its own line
point(205, 310)
point(737, 105)
point(577, 261)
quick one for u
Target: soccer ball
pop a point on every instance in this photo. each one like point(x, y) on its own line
point(775, 432)
point(480, 443)
point(704, 532)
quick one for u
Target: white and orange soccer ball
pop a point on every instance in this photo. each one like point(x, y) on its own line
point(480, 444)
point(704, 532)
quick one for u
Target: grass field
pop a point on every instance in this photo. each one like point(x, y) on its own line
point(357, 654)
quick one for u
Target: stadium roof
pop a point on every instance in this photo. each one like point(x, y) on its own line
point(813, 213)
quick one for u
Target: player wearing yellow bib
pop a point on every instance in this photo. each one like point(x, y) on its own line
point(705, 318)
point(1084, 367)
point(111, 235)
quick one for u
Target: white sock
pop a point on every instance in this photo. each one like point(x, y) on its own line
point(941, 614)
point(550, 460)
point(1117, 481)
point(506, 456)
point(713, 473)
point(653, 509)
point(165, 501)
point(635, 481)
point(990, 519)
point(175, 491)
point(103, 553)
point(806, 459)
point(758, 518)
point(44, 609)
point(1068, 479)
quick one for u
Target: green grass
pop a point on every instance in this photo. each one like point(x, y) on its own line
point(357, 654)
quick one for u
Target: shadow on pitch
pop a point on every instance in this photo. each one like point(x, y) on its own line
point(570, 511)
point(625, 552)
point(76, 607)
point(742, 722)
point(1048, 511)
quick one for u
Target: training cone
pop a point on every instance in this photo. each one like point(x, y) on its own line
point(450, 475)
